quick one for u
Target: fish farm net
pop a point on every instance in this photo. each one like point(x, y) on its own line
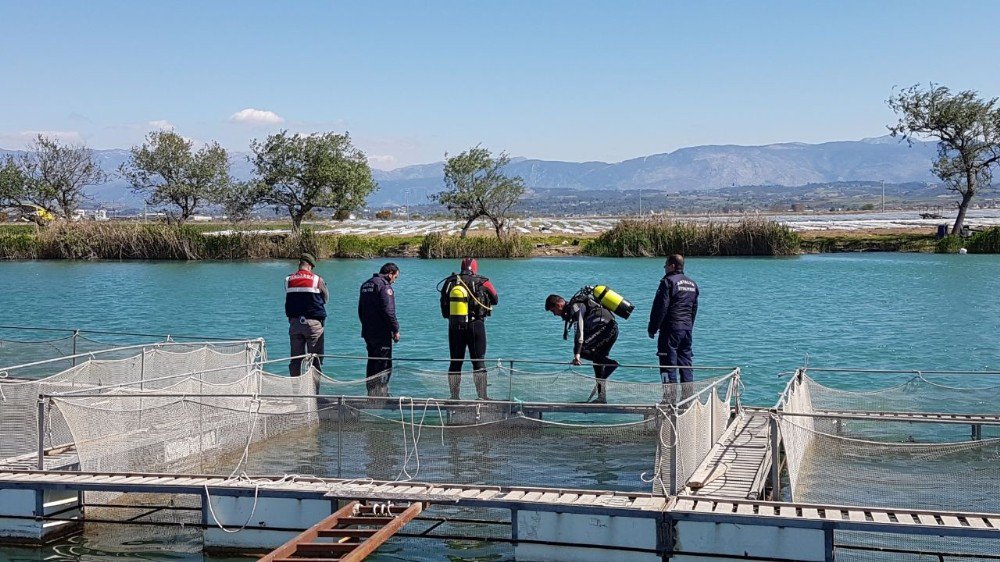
point(564, 384)
point(907, 461)
point(194, 427)
point(143, 368)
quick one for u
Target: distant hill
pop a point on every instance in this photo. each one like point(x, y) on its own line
point(686, 169)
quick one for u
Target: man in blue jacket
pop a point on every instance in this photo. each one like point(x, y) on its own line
point(674, 309)
point(379, 327)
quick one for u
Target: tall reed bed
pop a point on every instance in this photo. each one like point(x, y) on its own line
point(436, 246)
point(985, 241)
point(132, 241)
point(660, 237)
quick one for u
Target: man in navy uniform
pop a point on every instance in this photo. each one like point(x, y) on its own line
point(379, 327)
point(674, 309)
point(306, 296)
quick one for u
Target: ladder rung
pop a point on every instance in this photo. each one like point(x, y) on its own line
point(364, 520)
point(308, 559)
point(321, 547)
point(347, 532)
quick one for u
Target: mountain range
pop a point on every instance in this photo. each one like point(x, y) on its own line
point(685, 169)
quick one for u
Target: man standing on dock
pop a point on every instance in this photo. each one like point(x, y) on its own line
point(379, 327)
point(674, 309)
point(466, 300)
point(306, 296)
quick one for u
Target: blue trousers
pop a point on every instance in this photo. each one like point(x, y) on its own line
point(674, 349)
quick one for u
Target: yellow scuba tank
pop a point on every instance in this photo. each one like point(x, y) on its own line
point(458, 308)
point(613, 301)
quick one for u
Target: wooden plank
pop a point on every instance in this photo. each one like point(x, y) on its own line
point(531, 496)
point(488, 495)
point(977, 523)
point(951, 521)
point(288, 549)
point(549, 497)
point(745, 509)
point(927, 519)
point(881, 517)
point(514, 496)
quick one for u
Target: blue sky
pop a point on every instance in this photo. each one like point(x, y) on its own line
point(410, 81)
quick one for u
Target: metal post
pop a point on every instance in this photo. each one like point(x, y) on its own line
point(41, 432)
point(673, 450)
point(340, 435)
point(510, 383)
point(75, 334)
point(775, 465)
point(142, 368)
point(977, 432)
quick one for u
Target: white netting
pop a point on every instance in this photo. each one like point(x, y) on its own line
point(143, 431)
point(882, 462)
point(957, 394)
point(686, 442)
point(144, 368)
point(562, 385)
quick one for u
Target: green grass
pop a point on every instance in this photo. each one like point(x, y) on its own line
point(436, 246)
point(862, 242)
point(985, 241)
point(749, 237)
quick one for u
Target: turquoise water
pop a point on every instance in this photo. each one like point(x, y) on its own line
point(764, 315)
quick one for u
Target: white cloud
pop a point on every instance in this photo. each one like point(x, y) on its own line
point(251, 116)
point(161, 125)
point(382, 161)
point(23, 139)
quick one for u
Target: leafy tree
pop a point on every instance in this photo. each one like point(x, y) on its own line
point(13, 183)
point(242, 198)
point(57, 174)
point(476, 186)
point(306, 172)
point(967, 128)
point(168, 171)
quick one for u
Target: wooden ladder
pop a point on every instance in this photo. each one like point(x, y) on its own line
point(349, 535)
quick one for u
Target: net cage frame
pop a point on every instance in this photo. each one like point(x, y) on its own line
point(130, 360)
point(77, 336)
point(784, 420)
point(662, 414)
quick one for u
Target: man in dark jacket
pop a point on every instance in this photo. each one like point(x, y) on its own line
point(379, 327)
point(674, 309)
point(306, 296)
point(466, 300)
point(596, 333)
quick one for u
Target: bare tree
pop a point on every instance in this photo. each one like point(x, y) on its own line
point(57, 174)
point(967, 128)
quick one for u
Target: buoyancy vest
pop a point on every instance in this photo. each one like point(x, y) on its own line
point(303, 297)
point(595, 317)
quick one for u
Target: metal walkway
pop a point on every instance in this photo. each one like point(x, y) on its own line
point(843, 518)
point(738, 464)
point(507, 497)
point(349, 535)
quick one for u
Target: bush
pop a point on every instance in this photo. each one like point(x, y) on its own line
point(383, 215)
point(749, 237)
point(985, 241)
point(949, 245)
point(437, 245)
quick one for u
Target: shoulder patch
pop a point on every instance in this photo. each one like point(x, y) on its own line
point(388, 291)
